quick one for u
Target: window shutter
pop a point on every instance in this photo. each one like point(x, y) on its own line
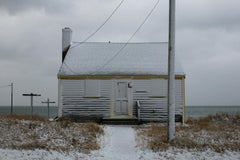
point(92, 88)
point(159, 87)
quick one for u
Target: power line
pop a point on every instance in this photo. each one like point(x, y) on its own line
point(78, 43)
point(139, 27)
point(69, 68)
point(37, 101)
point(125, 44)
point(4, 86)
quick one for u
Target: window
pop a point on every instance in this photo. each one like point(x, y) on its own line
point(159, 87)
point(92, 88)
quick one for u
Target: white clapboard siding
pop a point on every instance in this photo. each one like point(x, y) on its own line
point(153, 107)
point(74, 101)
point(179, 97)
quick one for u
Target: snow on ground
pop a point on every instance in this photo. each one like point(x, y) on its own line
point(118, 143)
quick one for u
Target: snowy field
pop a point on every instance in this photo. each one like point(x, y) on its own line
point(118, 143)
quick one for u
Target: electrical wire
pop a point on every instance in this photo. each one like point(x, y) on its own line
point(39, 100)
point(125, 44)
point(78, 43)
point(69, 68)
point(4, 86)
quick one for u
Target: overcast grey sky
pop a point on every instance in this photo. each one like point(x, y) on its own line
point(207, 42)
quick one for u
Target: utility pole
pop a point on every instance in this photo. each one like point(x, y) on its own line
point(31, 96)
point(171, 72)
point(48, 102)
point(11, 98)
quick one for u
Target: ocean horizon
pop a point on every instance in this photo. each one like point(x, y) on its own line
point(191, 111)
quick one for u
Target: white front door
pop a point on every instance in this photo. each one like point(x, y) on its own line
point(121, 99)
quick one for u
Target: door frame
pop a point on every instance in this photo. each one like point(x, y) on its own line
point(113, 98)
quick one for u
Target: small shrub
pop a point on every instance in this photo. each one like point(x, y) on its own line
point(94, 128)
point(158, 146)
point(25, 117)
point(64, 123)
point(32, 125)
point(184, 143)
point(192, 120)
point(236, 118)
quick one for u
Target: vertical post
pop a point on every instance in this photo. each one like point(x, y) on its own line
point(31, 105)
point(48, 106)
point(31, 96)
point(48, 102)
point(171, 72)
point(11, 98)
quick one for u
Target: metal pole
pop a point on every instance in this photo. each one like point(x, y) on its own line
point(11, 98)
point(171, 72)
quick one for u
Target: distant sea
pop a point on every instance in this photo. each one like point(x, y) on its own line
point(191, 111)
point(26, 110)
point(200, 111)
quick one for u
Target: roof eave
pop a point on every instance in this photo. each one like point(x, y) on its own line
point(182, 76)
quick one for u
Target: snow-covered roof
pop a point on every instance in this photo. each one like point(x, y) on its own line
point(100, 58)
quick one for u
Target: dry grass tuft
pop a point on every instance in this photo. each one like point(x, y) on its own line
point(184, 142)
point(219, 133)
point(31, 145)
point(24, 117)
point(158, 137)
point(154, 135)
point(21, 132)
point(64, 123)
point(94, 128)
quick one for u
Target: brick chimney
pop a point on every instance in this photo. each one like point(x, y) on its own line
point(66, 41)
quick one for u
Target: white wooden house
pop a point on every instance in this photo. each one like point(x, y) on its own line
point(96, 80)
